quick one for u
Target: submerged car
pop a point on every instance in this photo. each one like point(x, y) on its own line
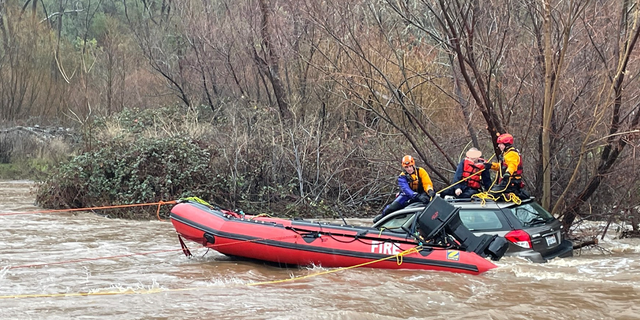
point(532, 232)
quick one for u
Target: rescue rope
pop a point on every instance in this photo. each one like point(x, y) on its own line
point(483, 196)
point(84, 294)
point(198, 200)
point(241, 213)
point(159, 203)
point(461, 180)
point(183, 248)
point(91, 259)
point(465, 179)
point(400, 257)
point(511, 197)
point(508, 197)
point(399, 260)
point(261, 215)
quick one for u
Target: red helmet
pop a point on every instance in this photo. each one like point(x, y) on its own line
point(505, 138)
point(408, 161)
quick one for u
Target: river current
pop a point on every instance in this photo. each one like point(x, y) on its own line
point(83, 265)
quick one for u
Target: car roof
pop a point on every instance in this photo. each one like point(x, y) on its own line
point(484, 204)
point(474, 203)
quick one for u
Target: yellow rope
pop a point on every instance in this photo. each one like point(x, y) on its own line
point(483, 196)
point(83, 294)
point(399, 261)
point(508, 197)
point(465, 179)
point(511, 197)
point(261, 215)
point(397, 256)
point(99, 293)
point(400, 256)
point(461, 180)
point(198, 200)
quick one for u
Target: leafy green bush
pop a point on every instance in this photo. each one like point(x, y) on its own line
point(235, 160)
point(125, 172)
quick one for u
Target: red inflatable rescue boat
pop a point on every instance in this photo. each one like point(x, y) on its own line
point(435, 240)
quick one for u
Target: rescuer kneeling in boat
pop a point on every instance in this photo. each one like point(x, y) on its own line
point(415, 186)
point(509, 169)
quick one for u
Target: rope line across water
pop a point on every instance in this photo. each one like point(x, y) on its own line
point(159, 203)
point(399, 259)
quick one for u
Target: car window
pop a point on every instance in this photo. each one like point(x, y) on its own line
point(531, 214)
point(477, 220)
point(397, 221)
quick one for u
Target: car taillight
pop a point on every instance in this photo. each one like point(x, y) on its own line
point(520, 238)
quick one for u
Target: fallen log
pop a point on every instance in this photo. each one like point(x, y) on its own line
point(591, 242)
point(630, 234)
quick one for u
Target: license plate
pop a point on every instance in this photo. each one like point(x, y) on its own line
point(551, 240)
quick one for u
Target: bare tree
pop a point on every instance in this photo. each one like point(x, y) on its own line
point(456, 27)
point(624, 115)
point(267, 60)
point(151, 24)
point(503, 73)
point(378, 72)
point(553, 65)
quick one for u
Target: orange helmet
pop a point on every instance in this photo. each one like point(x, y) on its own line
point(505, 138)
point(408, 161)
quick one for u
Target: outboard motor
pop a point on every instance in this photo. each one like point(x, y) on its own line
point(441, 217)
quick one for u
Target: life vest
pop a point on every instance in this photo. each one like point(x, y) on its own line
point(414, 180)
point(518, 173)
point(468, 169)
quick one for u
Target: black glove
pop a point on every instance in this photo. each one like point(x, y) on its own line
point(506, 176)
point(423, 197)
point(431, 193)
point(487, 165)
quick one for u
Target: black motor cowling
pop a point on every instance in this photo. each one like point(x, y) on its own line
point(441, 217)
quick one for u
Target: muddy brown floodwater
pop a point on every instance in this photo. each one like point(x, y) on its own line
point(53, 266)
